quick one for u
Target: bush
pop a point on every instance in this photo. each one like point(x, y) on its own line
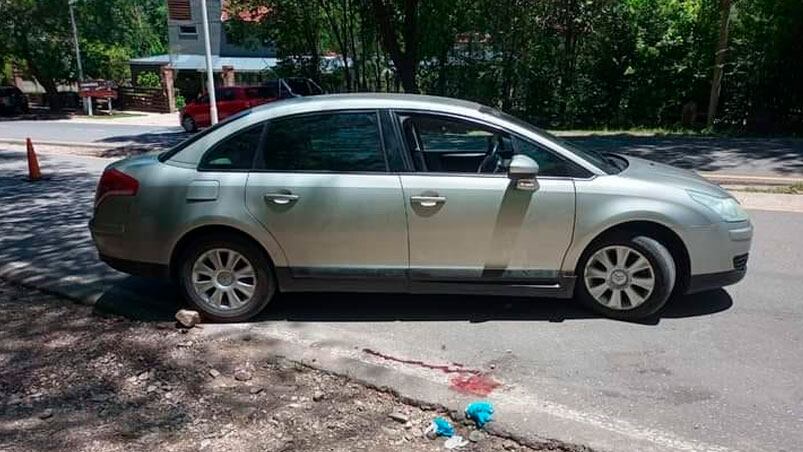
point(149, 80)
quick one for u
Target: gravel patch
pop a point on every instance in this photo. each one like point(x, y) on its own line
point(73, 379)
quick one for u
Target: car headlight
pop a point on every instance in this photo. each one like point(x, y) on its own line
point(727, 208)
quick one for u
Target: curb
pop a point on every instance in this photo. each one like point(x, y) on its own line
point(738, 179)
point(69, 144)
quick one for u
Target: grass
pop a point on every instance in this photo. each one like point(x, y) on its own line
point(794, 189)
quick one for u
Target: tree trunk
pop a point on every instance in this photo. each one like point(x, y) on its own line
point(405, 60)
point(719, 60)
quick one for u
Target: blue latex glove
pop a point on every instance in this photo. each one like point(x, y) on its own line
point(443, 427)
point(480, 412)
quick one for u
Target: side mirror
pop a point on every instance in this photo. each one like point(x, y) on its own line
point(523, 170)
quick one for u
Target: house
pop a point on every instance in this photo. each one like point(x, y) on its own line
point(232, 63)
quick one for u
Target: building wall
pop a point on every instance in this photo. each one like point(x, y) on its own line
point(186, 35)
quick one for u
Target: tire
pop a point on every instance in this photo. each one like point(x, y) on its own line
point(599, 284)
point(189, 124)
point(198, 270)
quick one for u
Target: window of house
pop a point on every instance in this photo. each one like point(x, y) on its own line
point(235, 152)
point(179, 10)
point(187, 31)
point(339, 141)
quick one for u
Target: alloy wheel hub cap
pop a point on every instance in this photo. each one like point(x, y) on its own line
point(619, 277)
point(225, 278)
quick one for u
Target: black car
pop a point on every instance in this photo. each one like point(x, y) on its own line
point(12, 100)
point(290, 87)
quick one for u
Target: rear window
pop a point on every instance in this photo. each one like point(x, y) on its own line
point(260, 92)
point(179, 147)
point(299, 86)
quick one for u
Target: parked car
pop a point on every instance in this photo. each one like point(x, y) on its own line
point(12, 100)
point(232, 100)
point(404, 193)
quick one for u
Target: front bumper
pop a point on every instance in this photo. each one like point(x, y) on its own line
point(711, 281)
point(718, 254)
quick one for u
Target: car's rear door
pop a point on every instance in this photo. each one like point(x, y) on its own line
point(323, 190)
point(467, 222)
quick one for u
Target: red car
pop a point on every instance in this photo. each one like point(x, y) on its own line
point(230, 100)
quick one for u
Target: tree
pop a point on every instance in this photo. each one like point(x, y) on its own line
point(719, 60)
point(39, 38)
point(400, 36)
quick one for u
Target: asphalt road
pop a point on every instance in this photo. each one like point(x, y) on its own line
point(718, 371)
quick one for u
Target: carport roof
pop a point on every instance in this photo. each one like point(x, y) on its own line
point(188, 62)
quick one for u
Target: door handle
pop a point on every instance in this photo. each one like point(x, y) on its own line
point(281, 198)
point(428, 201)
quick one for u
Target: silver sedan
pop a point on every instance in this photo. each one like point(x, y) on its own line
point(417, 194)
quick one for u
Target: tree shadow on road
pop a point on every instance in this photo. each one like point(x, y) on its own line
point(738, 155)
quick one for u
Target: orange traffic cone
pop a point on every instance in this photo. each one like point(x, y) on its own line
point(33, 163)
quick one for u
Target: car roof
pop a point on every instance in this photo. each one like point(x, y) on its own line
point(353, 101)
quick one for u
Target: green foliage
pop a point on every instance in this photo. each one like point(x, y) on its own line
point(37, 36)
point(180, 101)
point(149, 80)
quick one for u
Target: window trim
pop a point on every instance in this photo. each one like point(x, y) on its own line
point(397, 113)
point(259, 161)
point(220, 143)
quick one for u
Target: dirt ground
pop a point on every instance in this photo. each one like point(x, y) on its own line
point(75, 380)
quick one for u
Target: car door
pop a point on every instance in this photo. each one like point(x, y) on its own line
point(468, 222)
point(322, 189)
point(228, 102)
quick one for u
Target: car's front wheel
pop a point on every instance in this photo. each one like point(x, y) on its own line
point(226, 278)
point(626, 276)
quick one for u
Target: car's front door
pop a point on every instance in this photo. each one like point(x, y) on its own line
point(468, 222)
point(323, 191)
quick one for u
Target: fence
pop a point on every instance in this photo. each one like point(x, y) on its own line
point(144, 99)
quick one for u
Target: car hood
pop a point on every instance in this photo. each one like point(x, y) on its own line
point(658, 173)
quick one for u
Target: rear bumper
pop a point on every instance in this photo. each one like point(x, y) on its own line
point(137, 268)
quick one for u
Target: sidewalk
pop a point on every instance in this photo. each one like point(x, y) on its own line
point(137, 118)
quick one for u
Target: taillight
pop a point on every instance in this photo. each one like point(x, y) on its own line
point(114, 182)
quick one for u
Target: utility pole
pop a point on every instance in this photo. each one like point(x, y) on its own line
point(719, 60)
point(87, 100)
point(210, 76)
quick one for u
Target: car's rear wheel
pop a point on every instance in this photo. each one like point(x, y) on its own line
point(189, 124)
point(626, 277)
point(226, 278)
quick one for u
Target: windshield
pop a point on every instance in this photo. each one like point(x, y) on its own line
point(607, 163)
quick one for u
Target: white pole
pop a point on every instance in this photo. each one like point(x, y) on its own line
point(87, 100)
point(210, 76)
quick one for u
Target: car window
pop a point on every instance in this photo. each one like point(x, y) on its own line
point(235, 152)
point(271, 89)
point(549, 163)
point(299, 86)
point(260, 92)
point(325, 142)
point(226, 94)
point(444, 144)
